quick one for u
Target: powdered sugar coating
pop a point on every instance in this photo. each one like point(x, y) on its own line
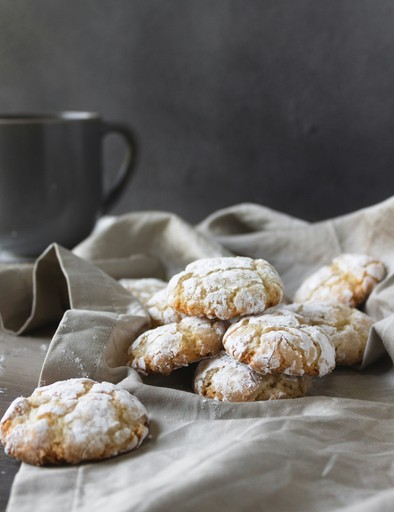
point(349, 279)
point(348, 328)
point(72, 421)
point(272, 343)
point(224, 378)
point(143, 289)
point(160, 311)
point(171, 346)
point(225, 288)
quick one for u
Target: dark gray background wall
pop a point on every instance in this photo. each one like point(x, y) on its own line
point(287, 103)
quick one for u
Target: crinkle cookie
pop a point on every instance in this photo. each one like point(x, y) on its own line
point(224, 378)
point(72, 421)
point(225, 288)
point(349, 280)
point(348, 328)
point(172, 346)
point(160, 311)
point(280, 344)
point(143, 289)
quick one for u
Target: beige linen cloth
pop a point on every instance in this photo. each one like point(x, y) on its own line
point(330, 451)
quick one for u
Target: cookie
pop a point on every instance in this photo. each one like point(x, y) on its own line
point(348, 328)
point(225, 288)
point(224, 378)
point(349, 279)
point(73, 421)
point(143, 289)
point(280, 344)
point(171, 346)
point(160, 311)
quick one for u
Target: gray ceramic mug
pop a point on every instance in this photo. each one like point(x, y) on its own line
point(51, 179)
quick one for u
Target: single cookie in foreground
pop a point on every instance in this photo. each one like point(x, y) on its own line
point(280, 344)
point(73, 421)
point(348, 328)
point(225, 288)
point(172, 346)
point(160, 311)
point(143, 289)
point(349, 279)
point(223, 378)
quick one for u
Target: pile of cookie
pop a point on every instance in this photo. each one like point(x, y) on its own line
point(231, 315)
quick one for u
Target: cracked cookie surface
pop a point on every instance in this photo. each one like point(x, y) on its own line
point(171, 346)
point(348, 328)
point(143, 289)
point(225, 288)
point(160, 311)
point(349, 279)
point(280, 344)
point(224, 378)
point(73, 421)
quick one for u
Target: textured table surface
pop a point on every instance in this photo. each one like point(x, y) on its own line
point(21, 359)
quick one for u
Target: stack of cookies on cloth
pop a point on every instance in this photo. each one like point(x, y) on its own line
point(230, 314)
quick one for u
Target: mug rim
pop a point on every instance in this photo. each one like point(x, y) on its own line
point(47, 117)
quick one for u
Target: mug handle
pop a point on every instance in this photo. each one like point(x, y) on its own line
point(128, 165)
